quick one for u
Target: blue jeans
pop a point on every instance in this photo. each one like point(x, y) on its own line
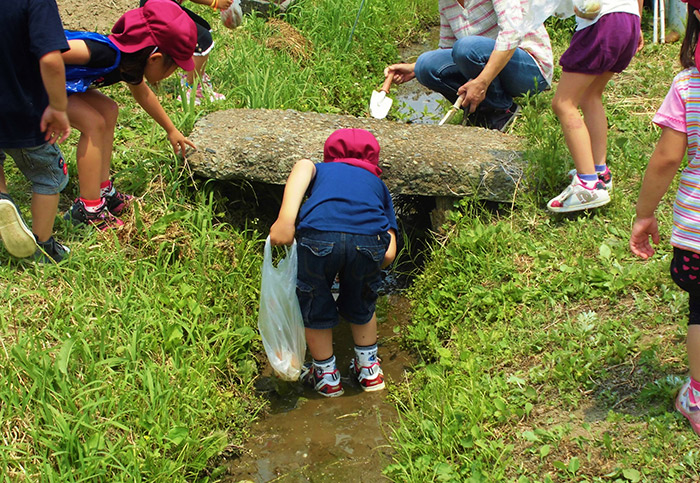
point(43, 165)
point(356, 259)
point(446, 70)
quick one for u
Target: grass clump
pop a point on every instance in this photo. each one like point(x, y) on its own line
point(549, 352)
point(135, 360)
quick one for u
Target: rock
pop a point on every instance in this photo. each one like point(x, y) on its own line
point(454, 161)
point(264, 7)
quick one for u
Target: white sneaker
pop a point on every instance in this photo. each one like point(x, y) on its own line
point(576, 197)
point(17, 237)
point(370, 376)
point(690, 411)
point(605, 177)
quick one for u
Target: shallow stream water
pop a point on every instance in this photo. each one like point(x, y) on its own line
point(309, 438)
point(414, 103)
point(305, 437)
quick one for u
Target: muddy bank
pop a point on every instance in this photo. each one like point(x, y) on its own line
point(308, 438)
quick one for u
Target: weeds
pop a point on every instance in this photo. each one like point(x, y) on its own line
point(547, 353)
point(550, 353)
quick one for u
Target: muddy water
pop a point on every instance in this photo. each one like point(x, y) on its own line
point(412, 102)
point(308, 438)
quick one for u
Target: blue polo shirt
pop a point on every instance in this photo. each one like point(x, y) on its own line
point(347, 199)
point(29, 29)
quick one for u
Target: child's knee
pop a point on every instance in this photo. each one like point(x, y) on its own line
point(111, 113)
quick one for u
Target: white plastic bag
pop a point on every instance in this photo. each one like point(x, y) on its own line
point(540, 10)
point(232, 16)
point(279, 320)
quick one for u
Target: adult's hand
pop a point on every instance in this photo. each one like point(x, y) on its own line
point(401, 72)
point(474, 92)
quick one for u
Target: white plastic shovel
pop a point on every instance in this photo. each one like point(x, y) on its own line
point(379, 103)
point(453, 110)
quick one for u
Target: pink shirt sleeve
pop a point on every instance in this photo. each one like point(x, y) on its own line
point(672, 111)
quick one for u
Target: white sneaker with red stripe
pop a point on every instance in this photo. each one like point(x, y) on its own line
point(577, 197)
point(369, 375)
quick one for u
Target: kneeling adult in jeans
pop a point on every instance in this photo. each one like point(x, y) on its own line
point(482, 55)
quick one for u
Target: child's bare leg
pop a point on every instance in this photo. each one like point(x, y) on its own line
point(365, 366)
point(692, 344)
point(3, 182)
point(320, 343)
point(94, 115)
point(595, 118)
point(200, 62)
point(44, 208)
point(366, 334)
point(570, 91)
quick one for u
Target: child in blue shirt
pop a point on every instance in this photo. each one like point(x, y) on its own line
point(347, 228)
point(33, 118)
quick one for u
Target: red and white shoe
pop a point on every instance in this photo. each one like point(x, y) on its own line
point(370, 376)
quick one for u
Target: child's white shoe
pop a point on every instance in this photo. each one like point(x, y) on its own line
point(577, 197)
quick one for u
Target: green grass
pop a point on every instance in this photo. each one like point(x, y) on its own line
point(135, 360)
point(546, 352)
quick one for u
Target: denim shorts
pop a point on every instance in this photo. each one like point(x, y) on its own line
point(43, 165)
point(356, 259)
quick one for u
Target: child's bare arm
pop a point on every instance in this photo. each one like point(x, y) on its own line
point(78, 54)
point(390, 254)
point(220, 5)
point(282, 231)
point(150, 103)
point(54, 120)
point(662, 168)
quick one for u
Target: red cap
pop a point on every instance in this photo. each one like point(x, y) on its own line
point(159, 23)
point(692, 3)
point(356, 147)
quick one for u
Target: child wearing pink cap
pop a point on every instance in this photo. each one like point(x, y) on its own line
point(679, 119)
point(146, 44)
point(601, 47)
point(346, 228)
point(205, 43)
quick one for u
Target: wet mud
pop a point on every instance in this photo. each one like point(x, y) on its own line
point(309, 438)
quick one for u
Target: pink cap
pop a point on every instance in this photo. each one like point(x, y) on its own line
point(356, 147)
point(159, 23)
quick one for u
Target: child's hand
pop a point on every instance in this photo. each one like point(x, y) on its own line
point(179, 142)
point(55, 124)
point(282, 233)
point(642, 229)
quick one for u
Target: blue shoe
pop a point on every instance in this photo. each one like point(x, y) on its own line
point(50, 251)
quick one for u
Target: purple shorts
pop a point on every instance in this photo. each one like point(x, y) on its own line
point(606, 46)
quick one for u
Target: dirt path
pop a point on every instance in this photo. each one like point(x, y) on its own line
point(309, 438)
point(93, 16)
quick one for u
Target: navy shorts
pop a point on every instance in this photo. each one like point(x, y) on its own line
point(43, 165)
point(606, 46)
point(356, 259)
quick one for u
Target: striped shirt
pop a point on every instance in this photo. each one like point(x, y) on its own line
point(680, 111)
point(495, 19)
